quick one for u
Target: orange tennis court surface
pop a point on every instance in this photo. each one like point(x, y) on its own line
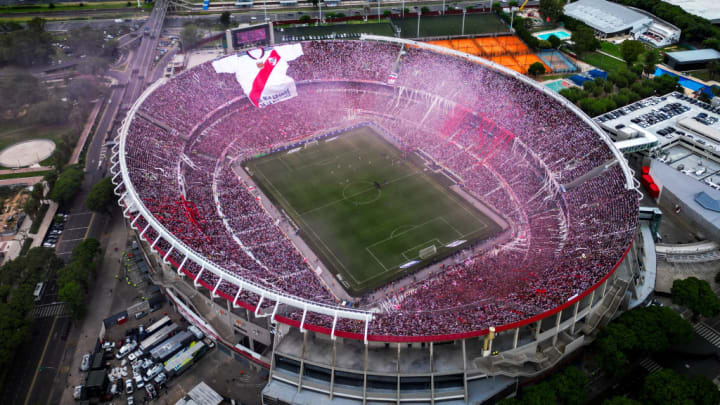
point(506, 50)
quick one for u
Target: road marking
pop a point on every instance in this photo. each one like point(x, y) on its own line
point(42, 357)
point(92, 218)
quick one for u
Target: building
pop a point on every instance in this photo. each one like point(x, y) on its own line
point(690, 60)
point(684, 159)
point(707, 9)
point(614, 20)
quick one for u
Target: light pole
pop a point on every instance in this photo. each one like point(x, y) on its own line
point(378, 1)
point(265, 9)
point(418, 27)
point(320, 12)
point(463, 23)
point(403, 8)
point(443, 9)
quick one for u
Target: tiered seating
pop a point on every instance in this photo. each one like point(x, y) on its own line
point(511, 146)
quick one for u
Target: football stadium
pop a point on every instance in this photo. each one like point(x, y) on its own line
point(412, 221)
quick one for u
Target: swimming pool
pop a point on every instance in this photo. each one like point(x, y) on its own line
point(687, 83)
point(559, 34)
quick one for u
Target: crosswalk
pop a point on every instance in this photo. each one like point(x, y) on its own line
point(50, 310)
point(707, 333)
point(650, 365)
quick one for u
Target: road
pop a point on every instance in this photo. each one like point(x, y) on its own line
point(36, 369)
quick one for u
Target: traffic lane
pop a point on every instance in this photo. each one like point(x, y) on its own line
point(51, 362)
point(75, 230)
point(25, 363)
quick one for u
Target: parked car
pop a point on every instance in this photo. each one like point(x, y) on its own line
point(126, 349)
point(85, 363)
point(157, 369)
point(151, 392)
point(160, 379)
point(129, 387)
point(140, 315)
point(77, 392)
point(139, 381)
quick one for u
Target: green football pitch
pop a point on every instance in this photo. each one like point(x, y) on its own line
point(364, 209)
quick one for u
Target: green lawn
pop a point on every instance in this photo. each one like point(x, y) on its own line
point(435, 26)
point(610, 48)
point(368, 233)
point(603, 62)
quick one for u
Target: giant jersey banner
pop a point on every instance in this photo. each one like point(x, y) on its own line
point(262, 73)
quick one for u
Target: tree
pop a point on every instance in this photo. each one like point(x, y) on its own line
point(631, 50)
point(305, 19)
point(639, 332)
point(101, 196)
point(651, 58)
point(67, 185)
point(554, 41)
point(75, 296)
point(551, 9)
point(225, 18)
point(713, 68)
point(86, 252)
point(536, 69)
point(697, 295)
point(189, 35)
point(584, 39)
point(668, 387)
point(544, 44)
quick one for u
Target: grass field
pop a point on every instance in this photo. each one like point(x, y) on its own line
point(436, 26)
point(367, 233)
point(603, 62)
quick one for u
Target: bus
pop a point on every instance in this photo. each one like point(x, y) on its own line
point(169, 347)
point(164, 321)
point(39, 289)
point(181, 361)
point(155, 339)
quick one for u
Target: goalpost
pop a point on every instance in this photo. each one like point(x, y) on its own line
point(429, 251)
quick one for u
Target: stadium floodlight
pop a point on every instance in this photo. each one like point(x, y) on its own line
point(378, 3)
point(443, 8)
point(463, 23)
point(403, 9)
point(418, 27)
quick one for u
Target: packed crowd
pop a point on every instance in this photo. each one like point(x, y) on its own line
point(509, 145)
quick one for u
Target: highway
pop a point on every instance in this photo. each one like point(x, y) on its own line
point(34, 372)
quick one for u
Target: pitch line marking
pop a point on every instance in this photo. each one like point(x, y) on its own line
point(420, 244)
point(300, 219)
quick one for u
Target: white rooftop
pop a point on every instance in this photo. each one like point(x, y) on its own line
point(708, 9)
point(605, 16)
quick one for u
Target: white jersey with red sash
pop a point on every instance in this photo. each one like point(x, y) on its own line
point(263, 77)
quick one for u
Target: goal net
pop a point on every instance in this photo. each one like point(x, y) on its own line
point(311, 143)
point(429, 251)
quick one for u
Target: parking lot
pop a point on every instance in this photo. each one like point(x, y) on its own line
point(128, 376)
point(73, 232)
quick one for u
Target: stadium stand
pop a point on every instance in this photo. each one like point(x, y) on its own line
point(512, 146)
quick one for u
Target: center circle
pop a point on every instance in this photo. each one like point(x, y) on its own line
point(361, 192)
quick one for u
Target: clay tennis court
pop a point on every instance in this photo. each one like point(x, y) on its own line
point(507, 50)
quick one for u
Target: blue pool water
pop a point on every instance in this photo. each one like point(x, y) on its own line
point(687, 83)
point(559, 34)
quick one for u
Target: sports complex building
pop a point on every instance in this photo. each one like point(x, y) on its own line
point(416, 225)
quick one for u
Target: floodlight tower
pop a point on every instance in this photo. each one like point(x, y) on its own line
point(419, 14)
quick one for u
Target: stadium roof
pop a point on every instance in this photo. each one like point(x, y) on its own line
point(202, 394)
point(697, 55)
point(605, 16)
point(708, 9)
